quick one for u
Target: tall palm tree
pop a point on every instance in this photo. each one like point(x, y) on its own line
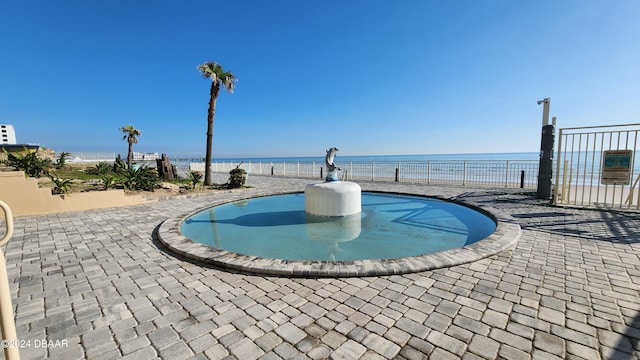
point(219, 78)
point(131, 135)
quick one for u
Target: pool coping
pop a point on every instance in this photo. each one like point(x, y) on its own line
point(504, 237)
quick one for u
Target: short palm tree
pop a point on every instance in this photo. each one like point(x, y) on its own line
point(131, 135)
point(62, 160)
point(219, 78)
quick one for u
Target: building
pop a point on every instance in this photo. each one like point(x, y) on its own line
point(138, 156)
point(7, 135)
point(8, 143)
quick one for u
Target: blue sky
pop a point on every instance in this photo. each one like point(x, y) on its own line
point(370, 77)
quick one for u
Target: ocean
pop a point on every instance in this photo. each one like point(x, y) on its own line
point(516, 156)
point(490, 168)
point(487, 168)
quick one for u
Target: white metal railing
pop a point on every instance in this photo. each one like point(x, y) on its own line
point(580, 166)
point(92, 157)
point(7, 322)
point(502, 173)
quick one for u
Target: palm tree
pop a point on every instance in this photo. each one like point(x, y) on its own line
point(131, 135)
point(219, 77)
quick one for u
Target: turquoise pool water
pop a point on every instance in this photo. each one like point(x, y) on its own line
point(390, 226)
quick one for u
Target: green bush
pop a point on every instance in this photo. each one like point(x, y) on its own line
point(61, 186)
point(237, 178)
point(101, 168)
point(62, 160)
point(108, 181)
point(30, 163)
point(194, 177)
point(143, 178)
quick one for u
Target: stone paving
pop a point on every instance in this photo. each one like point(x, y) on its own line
point(98, 285)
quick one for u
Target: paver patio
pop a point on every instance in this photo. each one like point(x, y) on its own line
point(97, 285)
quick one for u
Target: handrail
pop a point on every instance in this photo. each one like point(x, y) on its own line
point(8, 217)
point(600, 126)
point(7, 322)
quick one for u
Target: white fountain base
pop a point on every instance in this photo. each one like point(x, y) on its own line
point(332, 198)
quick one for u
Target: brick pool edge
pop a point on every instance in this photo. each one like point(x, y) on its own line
point(504, 237)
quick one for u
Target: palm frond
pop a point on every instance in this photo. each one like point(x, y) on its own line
point(130, 134)
point(213, 71)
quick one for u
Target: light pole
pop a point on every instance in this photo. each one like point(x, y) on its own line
point(545, 110)
point(546, 152)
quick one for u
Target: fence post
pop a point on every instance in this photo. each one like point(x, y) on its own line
point(321, 175)
point(428, 172)
point(506, 175)
point(522, 179)
point(373, 176)
point(563, 192)
point(546, 161)
point(556, 185)
point(271, 169)
point(464, 172)
point(398, 172)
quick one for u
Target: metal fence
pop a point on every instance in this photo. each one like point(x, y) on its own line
point(582, 161)
point(92, 157)
point(501, 173)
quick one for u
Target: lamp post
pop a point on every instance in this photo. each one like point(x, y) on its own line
point(545, 110)
point(546, 152)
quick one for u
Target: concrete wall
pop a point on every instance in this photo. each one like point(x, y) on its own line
point(24, 197)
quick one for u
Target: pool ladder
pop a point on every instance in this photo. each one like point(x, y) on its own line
point(7, 322)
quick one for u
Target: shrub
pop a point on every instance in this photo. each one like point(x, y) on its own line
point(194, 178)
point(237, 178)
point(101, 168)
point(30, 163)
point(61, 186)
point(109, 182)
point(62, 160)
point(142, 178)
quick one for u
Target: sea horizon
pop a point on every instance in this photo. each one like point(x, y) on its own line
point(516, 156)
point(501, 156)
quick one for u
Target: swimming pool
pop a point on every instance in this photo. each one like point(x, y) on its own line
point(390, 226)
point(235, 209)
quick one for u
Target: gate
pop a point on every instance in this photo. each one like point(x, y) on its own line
point(598, 167)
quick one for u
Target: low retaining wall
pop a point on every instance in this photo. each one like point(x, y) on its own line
point(24, 197)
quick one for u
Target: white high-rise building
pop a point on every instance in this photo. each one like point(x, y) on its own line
point(7, 135)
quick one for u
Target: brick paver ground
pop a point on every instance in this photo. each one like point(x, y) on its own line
point(96, 285)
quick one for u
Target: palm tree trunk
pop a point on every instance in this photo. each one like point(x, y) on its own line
point(213, 95)
point(129, 154)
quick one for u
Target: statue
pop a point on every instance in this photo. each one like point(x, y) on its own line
point(332, 169)
point(332, 197)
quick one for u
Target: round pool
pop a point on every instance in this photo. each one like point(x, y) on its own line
point(390, 226)
point(394, 233)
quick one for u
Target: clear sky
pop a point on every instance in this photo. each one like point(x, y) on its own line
point(370, 77)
